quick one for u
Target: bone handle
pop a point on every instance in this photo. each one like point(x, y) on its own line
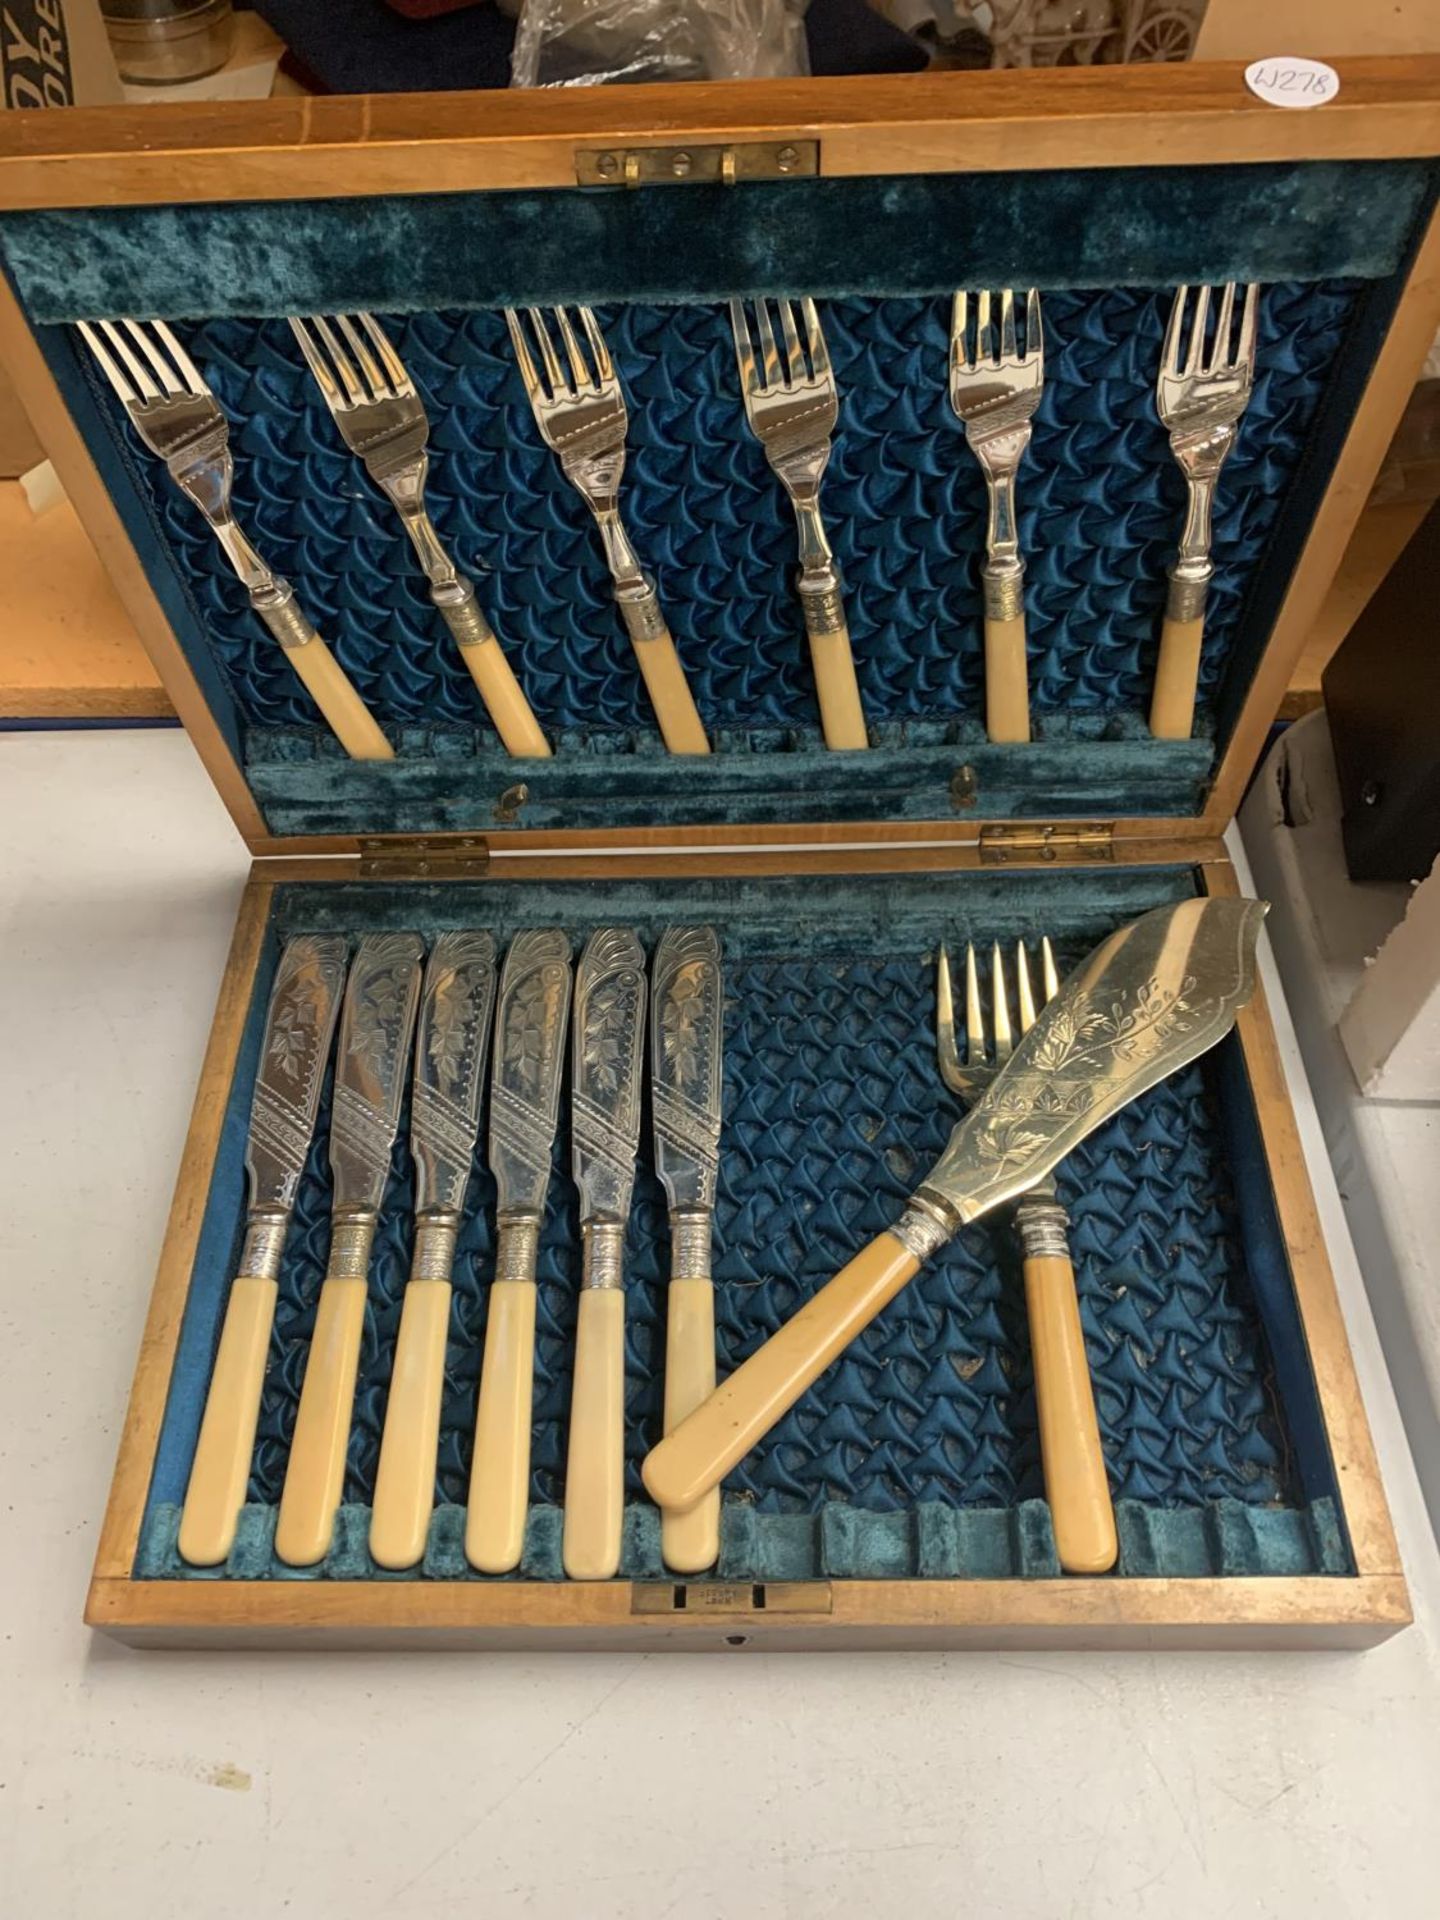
point(595, 1463)
point(500, 1474)
point(490, 670)
point(1075, 1482)
point(670, 696)
point(410, 1443)
point(743, 1408)
point(324, 677)
point(690, 1542)
point(221, 1467)
point(1177, 677)
point(842, 718)
point(1007, 691)
point(315, 1476)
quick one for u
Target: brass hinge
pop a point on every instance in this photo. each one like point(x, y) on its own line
point(466, 857)
point(697, 164)
point(1070, 844)
point(731, 1597)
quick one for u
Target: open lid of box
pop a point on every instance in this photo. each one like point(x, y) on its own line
point(1104, 190)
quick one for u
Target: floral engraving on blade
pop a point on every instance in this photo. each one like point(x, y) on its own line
point(452, 1030)
point(532, 1027)
point(686, 1022)
point(610, 1032)
point(293, 1032)
point(378, 1011)
point(1083, 1047)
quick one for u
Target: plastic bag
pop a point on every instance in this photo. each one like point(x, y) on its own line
point(595, 43)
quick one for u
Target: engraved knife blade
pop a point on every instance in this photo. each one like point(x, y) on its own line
point(685, 1030)
point(450, 1043)
point(606, 1049)
point(530, 1025)
point(376, 1025)
point(299, 1029)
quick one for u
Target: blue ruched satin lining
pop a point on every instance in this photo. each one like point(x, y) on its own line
point(1100, 504)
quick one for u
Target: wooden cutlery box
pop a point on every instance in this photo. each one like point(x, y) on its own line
point(900, 1503)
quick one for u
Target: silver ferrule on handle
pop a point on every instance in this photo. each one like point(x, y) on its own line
point(278, 608)
point(351, 1237)
point(517, 1252)
point(1003, 585)
point(1044, 1228)
point(639, 606)
point(435, 1237)
point(265, 1230)
point(690, 1238)
point(603, 1245)
point(926, 1224)
point(461, 613)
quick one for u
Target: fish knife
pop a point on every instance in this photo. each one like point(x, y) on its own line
point(299, 1027)
point(376, 1025)
point(530, 1025)
point(450, 1044)
point(607, 1042)
point(1157, 994)
point(685, 1035)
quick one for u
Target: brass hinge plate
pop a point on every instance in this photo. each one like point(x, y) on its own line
point(1069, 844)
point(467, 857)
point(727, 1598)
point(698, 164)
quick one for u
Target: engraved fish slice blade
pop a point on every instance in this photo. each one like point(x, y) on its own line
point(685, 1040)
point(299, 1029)
point(607, 1047)
point(450, 1042)
point(375, 1031)
point(530, 1028)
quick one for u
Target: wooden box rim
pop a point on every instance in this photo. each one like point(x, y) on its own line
point(1387, 108)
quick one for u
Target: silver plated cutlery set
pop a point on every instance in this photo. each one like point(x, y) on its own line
point(405, 1018)
point(790, 399)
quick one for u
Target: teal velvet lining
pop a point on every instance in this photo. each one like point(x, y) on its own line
point(917, 1455)
point(915, 233)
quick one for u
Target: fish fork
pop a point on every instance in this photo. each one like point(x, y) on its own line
point(580, 411)
point(1200, 399)
point(179, 419)
point(1074, 1463)
point(792, 410)
point(995, 387)
point(382, 420)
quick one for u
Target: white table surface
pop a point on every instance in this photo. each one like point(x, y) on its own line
point(743, 1786)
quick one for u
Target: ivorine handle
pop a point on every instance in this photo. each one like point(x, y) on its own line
point(1007, 686)
point(500, 1473)
point(744, 1407)
point(1075, 1482)
point(221, 1467)
point(690, 1542)
point(1177, 677)
point(409, 1445)
point(670, 695)
point(842, 718)
point(315, 1476)
point(490, 670)
point(595, 1462)
point(321, 672)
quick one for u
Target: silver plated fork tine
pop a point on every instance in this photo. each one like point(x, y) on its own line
point(186, 367)
point(528, 375)
point(604, 367)
point(377, 386)
point(110, 367)
point(744, 351)
point(795, 358)
point(170, 381)
point(1034, 327)
point(400, 382)
point(579, 371)
point(1196, 353)
point(1245, 353)
point(340, 361)
point(959, 325)
point(137, 370)
point(1004, 1038)
point(974, 1012)
point(1174, 327)
point(1024, 992)
point(945, 1047)
point(982, 327)
point(1220, 352)
point(1047, 965)
point(548, 359)
point(1009, 350)
point(819, 352)
point(769, 352)
point(317, 363)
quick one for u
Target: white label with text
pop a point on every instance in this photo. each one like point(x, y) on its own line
point(1292, 82)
